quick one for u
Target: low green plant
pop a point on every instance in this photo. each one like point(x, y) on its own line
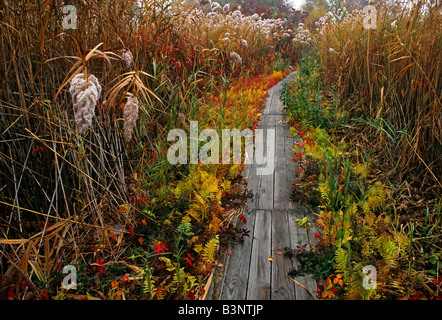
point(304, 223)
point(305, 101)
point(319, 263)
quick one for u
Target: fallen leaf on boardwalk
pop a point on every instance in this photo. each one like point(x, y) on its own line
point(277, 252)
point(271, 259)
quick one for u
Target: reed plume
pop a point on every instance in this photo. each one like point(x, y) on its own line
point(85, 92)
point(130, 115)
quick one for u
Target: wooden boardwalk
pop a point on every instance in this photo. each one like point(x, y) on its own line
point(248, 273)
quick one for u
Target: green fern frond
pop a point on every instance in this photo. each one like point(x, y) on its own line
point(341, 259)
point(182, 281)
point(149, 285)
point(169, 265)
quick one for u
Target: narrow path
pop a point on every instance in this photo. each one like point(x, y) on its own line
point(249, 274)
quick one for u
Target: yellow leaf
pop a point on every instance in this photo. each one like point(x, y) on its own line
point(212, 185)
point(199, 198)
point(168, 262)
point(327, 294)
point(194, 214)
point(271, 259)
point(226, 185)
point(197, 248)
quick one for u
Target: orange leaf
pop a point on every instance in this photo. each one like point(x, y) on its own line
point(114, 284)
point(140, 240)
point(328, 283)
point(271, 259)
point(118, 293)
point(327, 294)
point(335, 280)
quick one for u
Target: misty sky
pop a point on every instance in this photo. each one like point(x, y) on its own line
point(296, 3)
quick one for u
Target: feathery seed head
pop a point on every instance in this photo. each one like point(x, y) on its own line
point(85, 93)
point(130, 115)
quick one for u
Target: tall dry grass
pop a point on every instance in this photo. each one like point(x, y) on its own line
point(392, 76)
point(62, 191)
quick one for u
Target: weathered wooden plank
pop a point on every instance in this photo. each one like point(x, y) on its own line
point(247, 171)
point(267, 180)
point(292, 167)
point(273, 94)
point(268, 102)
point(299, 238)
point(253, 185)
point(282, 286)
point(253, 179)
point(282, 186)
point(259, 277)
point(234, 285)
point(238, 266)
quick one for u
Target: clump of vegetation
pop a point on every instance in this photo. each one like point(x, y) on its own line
point(376, 188)
point(85, 112)
point(304, 99)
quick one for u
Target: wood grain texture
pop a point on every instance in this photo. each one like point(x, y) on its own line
point(258, 287)
point(282, 286)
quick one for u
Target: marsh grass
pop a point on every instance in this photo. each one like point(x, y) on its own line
point(68, 197)
point(391, 76)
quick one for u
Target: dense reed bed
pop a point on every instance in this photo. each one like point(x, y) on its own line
point(88, 94)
